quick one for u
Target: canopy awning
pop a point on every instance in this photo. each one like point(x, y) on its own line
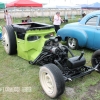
point(2, 5)
point(23, 3)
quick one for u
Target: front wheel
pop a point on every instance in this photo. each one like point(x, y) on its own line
point(51, 80)
point(96, 59)
point(72, 43)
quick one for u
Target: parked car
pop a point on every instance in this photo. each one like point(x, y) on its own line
point(85, 33)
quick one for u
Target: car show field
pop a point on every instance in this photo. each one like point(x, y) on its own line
point(17, 72)
point(20, 80)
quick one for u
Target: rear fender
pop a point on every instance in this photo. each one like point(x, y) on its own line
point(78, 34)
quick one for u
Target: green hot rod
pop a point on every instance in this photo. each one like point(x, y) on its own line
point(26, 39)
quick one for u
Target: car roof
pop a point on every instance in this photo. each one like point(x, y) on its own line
point(89, 15)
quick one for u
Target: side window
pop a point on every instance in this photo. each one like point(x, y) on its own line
point(92, 21)
point(33, 38)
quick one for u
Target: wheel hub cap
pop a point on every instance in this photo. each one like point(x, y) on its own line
point(48, 82)
point(72, 43)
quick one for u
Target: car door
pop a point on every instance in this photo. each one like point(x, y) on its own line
point(90, 28)
point(96, 43)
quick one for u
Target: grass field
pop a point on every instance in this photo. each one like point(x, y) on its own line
point(20, 81)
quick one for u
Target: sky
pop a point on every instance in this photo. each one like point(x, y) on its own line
point(68, 1)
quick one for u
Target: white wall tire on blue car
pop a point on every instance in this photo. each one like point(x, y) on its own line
point(72, 43)
point(52, 80)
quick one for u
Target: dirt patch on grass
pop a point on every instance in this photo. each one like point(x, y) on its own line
point(70, 91)
point(88, 95)
point(92, 90)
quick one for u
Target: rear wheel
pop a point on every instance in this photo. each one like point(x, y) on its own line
point(72, 43)
point(9, 40)
point(51, 80)
point(96, 59)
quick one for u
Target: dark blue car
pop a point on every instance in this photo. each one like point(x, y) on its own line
point(85, 33)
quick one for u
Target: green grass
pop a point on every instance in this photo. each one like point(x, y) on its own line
point(17, 72)
point(20, 81)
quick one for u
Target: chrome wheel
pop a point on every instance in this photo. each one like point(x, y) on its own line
point(72, 43)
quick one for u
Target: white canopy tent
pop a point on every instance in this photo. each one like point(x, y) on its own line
point(63, 5)
point(49, 5)
point(56, 4)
